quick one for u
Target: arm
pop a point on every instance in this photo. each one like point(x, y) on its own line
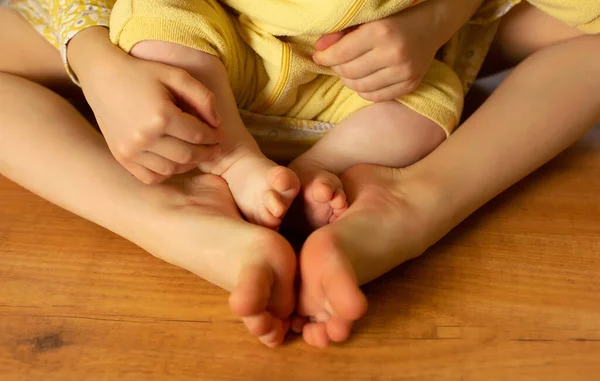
point(446, 17)
point(70, 18)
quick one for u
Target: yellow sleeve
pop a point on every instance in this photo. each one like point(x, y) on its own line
point(583, 14)
point(71, 17)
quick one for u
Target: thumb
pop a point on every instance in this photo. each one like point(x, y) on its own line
point(329, 39)
point(194, 94)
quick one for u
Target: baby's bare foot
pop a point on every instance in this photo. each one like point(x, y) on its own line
point(197, 226)
point(261, 189)
point(385, 225)
point(323, 193)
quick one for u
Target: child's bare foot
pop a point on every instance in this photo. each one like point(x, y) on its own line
point(323, 193)
point(197, 227)
point(385, 225)
point(262, 189)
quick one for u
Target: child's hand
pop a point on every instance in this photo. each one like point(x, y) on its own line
point(382, 60)
point(157, 120)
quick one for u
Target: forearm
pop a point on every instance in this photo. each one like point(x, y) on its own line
point(545, 105)
point(448, 16)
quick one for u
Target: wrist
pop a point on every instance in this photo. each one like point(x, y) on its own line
point(89, 48)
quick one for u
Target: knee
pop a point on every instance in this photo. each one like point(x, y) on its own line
point(396, 135)
point(424, 137)
point(416, 134)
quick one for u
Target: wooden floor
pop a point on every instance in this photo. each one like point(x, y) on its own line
point(512, 294)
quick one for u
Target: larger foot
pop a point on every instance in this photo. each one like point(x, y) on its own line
point(197, 226)
point(384, 226)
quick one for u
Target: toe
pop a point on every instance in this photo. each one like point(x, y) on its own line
point(283, 179)
point(323, 190)
point(252, 293)
point(274, 204)
point(315, 334)
point(259, 324)
point(283, 300)
point(307, 334)
point(266, 218)
point(338, 329)
point(338, 201)
point(276, 334)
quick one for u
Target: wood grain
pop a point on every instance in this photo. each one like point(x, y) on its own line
point(511, 294)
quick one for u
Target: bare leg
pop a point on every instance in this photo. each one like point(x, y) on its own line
point(49, 148)
point(262, 189)
point(396, 214)
point(388, 134)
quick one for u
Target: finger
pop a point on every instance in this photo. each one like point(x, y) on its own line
point(193, 93)
point(350, 47)
point(191, 129)
point(365, 65)
point(391, 92)
point(183, 168)
point(377, 81)
point(156, 163)
point(182, 152)
point(144, 174)
point(329, 39)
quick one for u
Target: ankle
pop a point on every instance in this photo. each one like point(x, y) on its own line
point(428, 195)
point(232, 156)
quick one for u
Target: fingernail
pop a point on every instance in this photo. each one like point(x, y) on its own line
point(217, 117)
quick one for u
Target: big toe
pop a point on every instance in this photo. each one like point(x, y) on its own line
point(270, 330)
point(253, 291)
point(284, 181)
point(284, 187)
point(325, 187)
point(338, 329)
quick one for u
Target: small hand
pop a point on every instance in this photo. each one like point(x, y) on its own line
point(157, 120)
point(381, 60)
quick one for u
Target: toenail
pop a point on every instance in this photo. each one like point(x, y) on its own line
point(328, 308)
